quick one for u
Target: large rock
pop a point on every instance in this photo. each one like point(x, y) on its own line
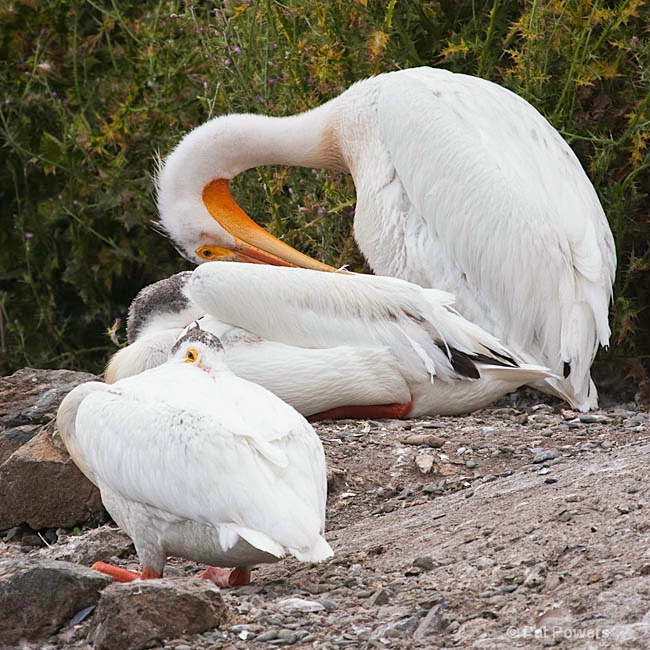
point(39, 484)
point(42, 487)
point(38, 597)
point(140, 614)
point(30, 398)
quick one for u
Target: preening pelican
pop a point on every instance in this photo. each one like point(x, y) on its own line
point(196, 462)
point(331, 345)
point(461, 185)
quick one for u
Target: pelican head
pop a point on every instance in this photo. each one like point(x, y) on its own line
point(199, 348)
point(162, 305)
point(196, 207)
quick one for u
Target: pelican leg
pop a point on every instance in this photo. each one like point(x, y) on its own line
point(124, 575)
point(227, 577)
point(376, 412)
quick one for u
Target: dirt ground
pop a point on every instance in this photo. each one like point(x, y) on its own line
point(520, 526)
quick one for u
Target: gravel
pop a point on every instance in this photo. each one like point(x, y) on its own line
point(529, 515)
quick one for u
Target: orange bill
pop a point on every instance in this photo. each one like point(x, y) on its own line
point(252, 242)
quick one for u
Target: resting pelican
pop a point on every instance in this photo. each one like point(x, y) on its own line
point(461, 185)
point(331, 345)
point(193, 461)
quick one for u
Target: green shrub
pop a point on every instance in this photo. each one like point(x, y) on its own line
point(91, 91)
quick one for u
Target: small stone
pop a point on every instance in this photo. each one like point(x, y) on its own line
point(424, 462)
point(29, 539)
point(555, 616)
point(288, 636)
point(328, 604)
point(13, 534)
point(593, 418)
point(269, 635)
point(471, 464)
point(453, 627)
point(488, 478)
point(140, 614)
point(424, 562)
point(623, 508)
point(413, 571)
point(544, 455)
point(606, 444)
point(380, 597)
point(81, 615)
point(424, 439)
point(522, 419)
point(299, 605)
point(533, 580)
point(551, 582)
point(431, 622)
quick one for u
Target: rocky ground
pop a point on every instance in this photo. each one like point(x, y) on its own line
point(524, 525)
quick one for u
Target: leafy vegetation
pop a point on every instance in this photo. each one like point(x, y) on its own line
point(93, 89)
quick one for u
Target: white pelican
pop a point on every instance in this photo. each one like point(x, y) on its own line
point(461, 185)
point(331, 345)
point(193, 461)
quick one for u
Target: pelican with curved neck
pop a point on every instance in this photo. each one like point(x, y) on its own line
point(461, 185)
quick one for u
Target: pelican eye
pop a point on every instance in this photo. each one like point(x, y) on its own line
point(205, 252)
point(191, 355)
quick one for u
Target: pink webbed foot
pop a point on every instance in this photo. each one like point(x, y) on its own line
point(124, 575)
point(226, 577)
point(375, 412)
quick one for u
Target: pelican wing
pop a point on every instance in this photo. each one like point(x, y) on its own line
point(66, 422)
point(505, 199)
point(225, 453)
point(314, 309)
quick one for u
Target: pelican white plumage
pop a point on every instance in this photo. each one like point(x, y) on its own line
point(461, 185)
point(194, 461)
point(329, 344)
